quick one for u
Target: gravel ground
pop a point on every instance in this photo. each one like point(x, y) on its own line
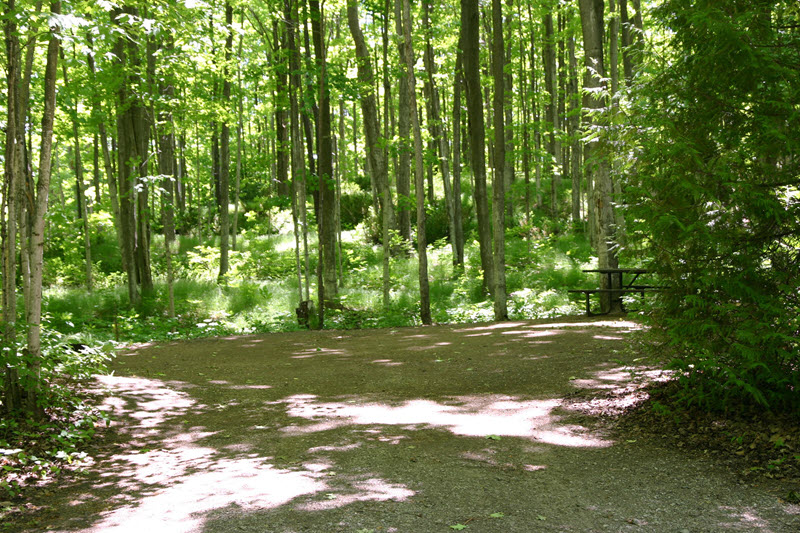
point(506, 427)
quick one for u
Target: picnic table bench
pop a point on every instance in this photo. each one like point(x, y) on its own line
point(617, 287)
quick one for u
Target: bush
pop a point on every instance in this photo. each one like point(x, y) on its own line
point(710, 191)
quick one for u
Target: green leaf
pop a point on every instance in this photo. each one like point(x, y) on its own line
point(458, 527)
point(540, 517)
point(496, 515)
point(493, 437)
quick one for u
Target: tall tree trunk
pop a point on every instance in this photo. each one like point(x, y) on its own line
point(79, 190)
point(551, 112)
point(435, 127)
point(403, 178)
point(596, 152)
point(278, 60)
point(458, 244)
point(13, 177)
point(327, 228)
point(37, 209)
point(498, 181)
point(526, 149)
point(128, 111)
point(239, 134)
point(419, 170)
point(470, 39)
point(225, 151)
point(574, 126)
point(511, 156)
point(627, 60)
point(167, 169)
point(97, 112)
point(369, 110)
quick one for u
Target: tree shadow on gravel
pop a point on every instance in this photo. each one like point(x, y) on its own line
point(496, 427)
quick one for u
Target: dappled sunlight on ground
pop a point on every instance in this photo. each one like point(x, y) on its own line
point(372, 489)
point(154, 401)
point(491, 327)
point(409, 429)
point(620, 324)
point(471, 416)
point(247, 483)
point(173, 484)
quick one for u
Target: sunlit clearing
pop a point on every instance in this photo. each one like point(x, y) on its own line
point(474, 416)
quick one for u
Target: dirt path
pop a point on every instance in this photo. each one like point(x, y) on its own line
point(407, 430)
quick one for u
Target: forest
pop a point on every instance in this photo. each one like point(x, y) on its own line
point(176, 169)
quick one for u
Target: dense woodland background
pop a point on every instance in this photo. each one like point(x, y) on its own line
point(176, 168)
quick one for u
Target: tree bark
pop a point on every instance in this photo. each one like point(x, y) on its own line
point(12, 180)
point(403, 177)
point(369, 112)
point(458, 244)
point(326, 220)
point(551, 112)
point(79, 190)
point(38, 208)
point(498, 182)
point(436, 130)
point(225, 151)
point(574, 126)
point(470, 39)
point(419, 170)
point(596, 152)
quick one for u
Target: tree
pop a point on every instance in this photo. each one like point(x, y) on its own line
point(470, 40)
point(327, 191)
point(133, 140)
point(419, 171)
point(595, 152)
point(498, 183)
point(32, 207)
point(716, 187)
point(225, 149)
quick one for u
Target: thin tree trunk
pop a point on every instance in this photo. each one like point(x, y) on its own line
point(511, 155)
point(239, 133)
point(458, 244)
point(436, 130)
point(13, 177)
point(403, 178)
point(225, 151)
point(498, 181)
point(551, 112)
point(327, 228)
point(526, 149)
point(369, 111)
point(79, 190)
point(168, 171)
point(419, 170)
point(38, 209)
point(574, 126)
point(470, 40)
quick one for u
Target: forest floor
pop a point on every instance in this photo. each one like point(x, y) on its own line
point(508, 427)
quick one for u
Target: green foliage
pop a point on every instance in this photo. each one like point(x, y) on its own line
point(717, 195)
point(355, 208)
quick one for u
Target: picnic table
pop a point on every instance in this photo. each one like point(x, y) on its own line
point(617, 285)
